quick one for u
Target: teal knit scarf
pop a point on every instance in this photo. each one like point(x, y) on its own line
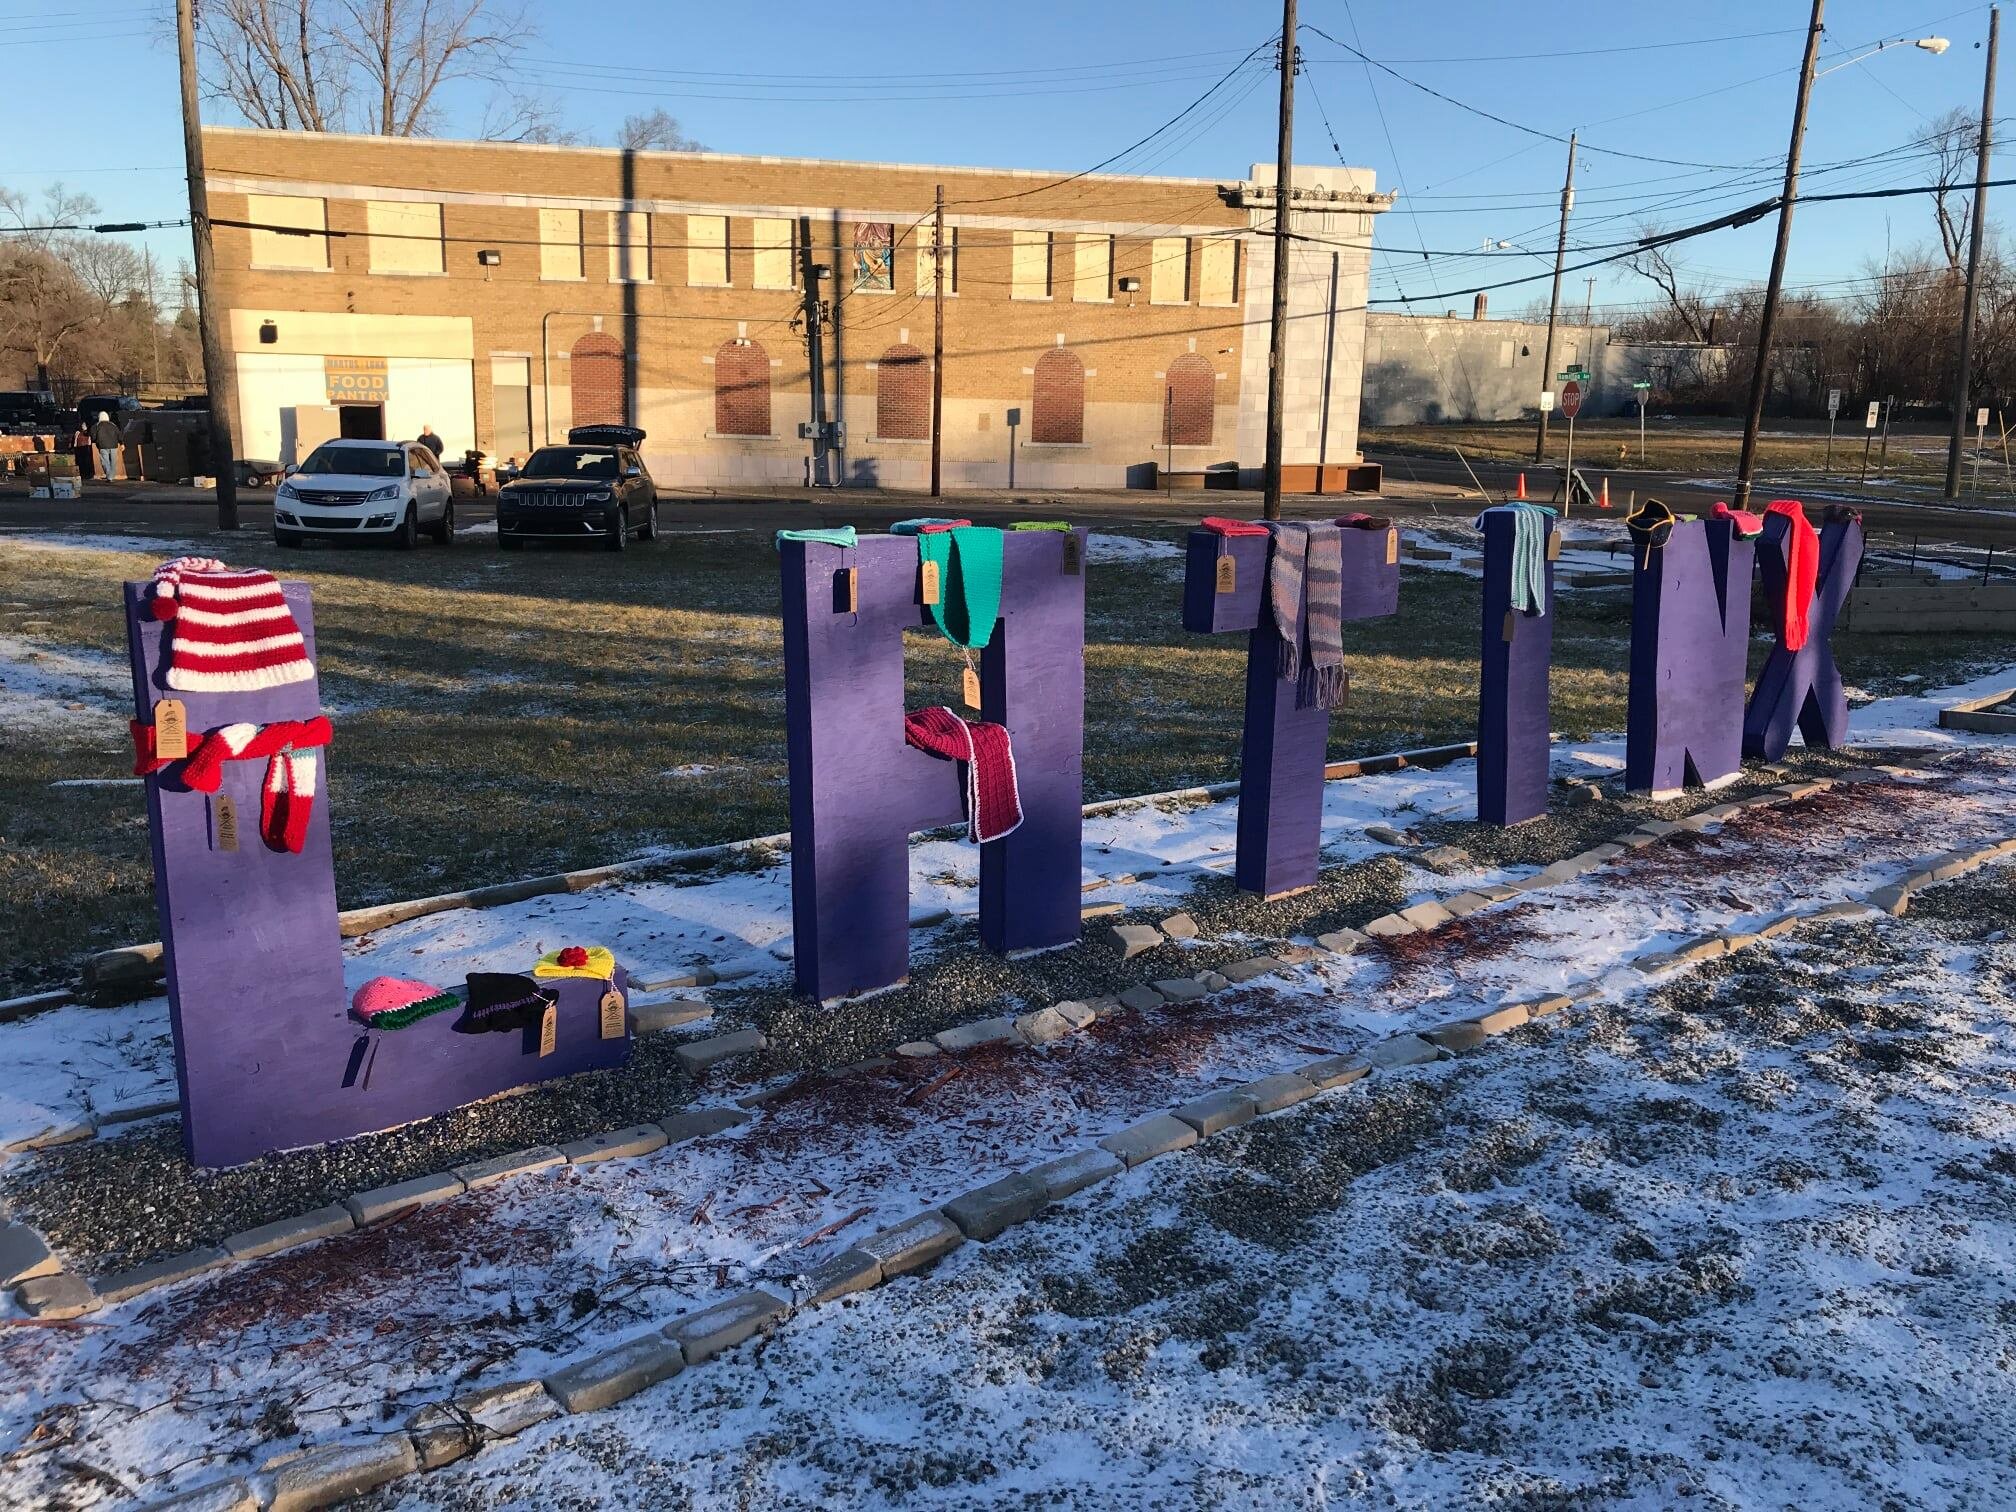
point(969, 582)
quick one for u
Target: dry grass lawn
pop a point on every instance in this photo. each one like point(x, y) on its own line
point(502, 716)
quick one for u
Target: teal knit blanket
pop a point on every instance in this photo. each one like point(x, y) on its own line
point(969, 582)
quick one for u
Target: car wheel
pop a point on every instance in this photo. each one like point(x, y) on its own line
point(650, 530)
point(443, 530)
point(616, 533)
point(286, 538)
point(408, 534)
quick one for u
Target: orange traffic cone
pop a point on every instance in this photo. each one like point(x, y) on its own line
point(1605, 501)
point(1522, 485)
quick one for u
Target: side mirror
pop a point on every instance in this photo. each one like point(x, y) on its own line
point(633, 472)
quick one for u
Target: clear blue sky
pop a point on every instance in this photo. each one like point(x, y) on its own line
point(1064, 85)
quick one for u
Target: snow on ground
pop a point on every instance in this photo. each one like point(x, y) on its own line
point(71, 540)
point(1101, 548)
point(1744, 1242)
point(71, 693)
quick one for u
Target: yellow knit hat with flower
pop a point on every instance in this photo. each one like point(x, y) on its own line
point(577, 961)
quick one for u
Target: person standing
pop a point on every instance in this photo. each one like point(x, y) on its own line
point(106, 438)
point(429, 440)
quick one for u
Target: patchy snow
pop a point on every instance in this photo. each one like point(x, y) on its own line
point(485, 528)
point(1101, 548)
point(35, 539)
point(70, 693)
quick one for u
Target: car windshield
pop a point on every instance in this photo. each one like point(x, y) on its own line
point(569, 462)
point(356, 461)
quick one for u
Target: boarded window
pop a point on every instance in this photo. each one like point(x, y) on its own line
point(927, 239)
point(560, 244)
point(1168, 270)
point(405, 237)
point(903, 395)
point(707, 250)
point(277, 249)
point(510, 406)
point(1218, 271)
point(595, 385)
point(1189, 401)
point(770, 259)
point(1058, 403)
point(874, 257)
point(1505, 353)
point(1030, 278)
point(741, 389)
point(1092, 272)
point(629, 246)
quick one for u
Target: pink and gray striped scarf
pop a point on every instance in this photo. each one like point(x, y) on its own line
point(1305, 584)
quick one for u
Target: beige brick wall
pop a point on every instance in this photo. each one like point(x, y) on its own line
point(491, 198)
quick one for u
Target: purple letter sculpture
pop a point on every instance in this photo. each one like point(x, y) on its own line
point(1800, 685)
point(1690, 635)
point(1282, 750)
point(1513, 735)
point(858, 791)
point(266, 1053)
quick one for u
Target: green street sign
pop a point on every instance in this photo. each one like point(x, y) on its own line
point(1576, 374)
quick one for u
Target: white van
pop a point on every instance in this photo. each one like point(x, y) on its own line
point(385, 490)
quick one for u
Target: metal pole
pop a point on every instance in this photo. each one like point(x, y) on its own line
point(1974, 240)
point(1277, 327)
point(1641, 428)
point(1889, 403)
point(1746, 463)
point(937, 337)
point(1830, 442)
point(1554, 302)
point(1568, 474)
point(217, 372)
point(815, 360)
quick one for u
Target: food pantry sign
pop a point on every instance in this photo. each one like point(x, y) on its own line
point(355, 380)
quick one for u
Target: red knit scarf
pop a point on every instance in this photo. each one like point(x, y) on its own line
point(1802, 571)
point(286, 796)
point(993, 804)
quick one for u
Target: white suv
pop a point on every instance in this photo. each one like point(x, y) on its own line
point(381, 489)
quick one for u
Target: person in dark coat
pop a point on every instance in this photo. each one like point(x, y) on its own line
point(429, 440)
point(106, 438)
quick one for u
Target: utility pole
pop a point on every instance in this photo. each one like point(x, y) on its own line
point(1277, 326)
point(1554, 301)
point(937, 337)
point(814, 313)
point(222, 382)
point(1974, 239)
point(1589, 301)
point(1760, 378)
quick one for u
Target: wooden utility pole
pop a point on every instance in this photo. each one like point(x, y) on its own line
point(217, 374)
point(1760, 378)
point(937, 338)
point(1277, 325)
point(1554, 300)
point(1974, 238)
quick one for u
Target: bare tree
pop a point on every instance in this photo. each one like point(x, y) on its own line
point(1687, 309)
point(56, 284)
point(1953, 142)
point(656, 131)
point(377, 66)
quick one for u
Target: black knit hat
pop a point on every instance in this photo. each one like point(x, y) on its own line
point(502, 1002)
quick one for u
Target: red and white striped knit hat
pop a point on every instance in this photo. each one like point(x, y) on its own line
point(233, 630)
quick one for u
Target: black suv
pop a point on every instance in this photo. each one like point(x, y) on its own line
point(593, 488)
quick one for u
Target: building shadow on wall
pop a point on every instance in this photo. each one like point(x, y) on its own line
point(1397, 393)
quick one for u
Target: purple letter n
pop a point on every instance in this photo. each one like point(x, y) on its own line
point(1281, 754)
point(1803, 687)
point(1690, 639)
point(857, 791)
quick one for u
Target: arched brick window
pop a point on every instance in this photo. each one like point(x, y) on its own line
point(596, 383)
point(903, 395)
point(741, 389)
point(1059, 400)
point(1190, 401)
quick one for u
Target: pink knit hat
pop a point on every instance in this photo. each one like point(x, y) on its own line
point(394, 1002)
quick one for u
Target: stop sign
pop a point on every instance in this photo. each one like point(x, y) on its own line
point(1571, 398)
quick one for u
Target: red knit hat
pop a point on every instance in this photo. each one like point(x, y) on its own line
point(233, 629)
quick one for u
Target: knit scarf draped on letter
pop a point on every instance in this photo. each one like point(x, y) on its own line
point(1305, 585)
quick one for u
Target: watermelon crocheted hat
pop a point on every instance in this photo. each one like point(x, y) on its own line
point(394, 1002)
point(577, 961)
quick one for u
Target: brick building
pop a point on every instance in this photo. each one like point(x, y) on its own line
point(503, 292)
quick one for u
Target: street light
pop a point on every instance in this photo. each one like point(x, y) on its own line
point(1753, 420)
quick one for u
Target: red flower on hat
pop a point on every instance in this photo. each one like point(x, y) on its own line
point(573, 956)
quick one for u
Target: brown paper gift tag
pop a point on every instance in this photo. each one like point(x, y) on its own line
point(549, 1030)
point(1071, 552)
point(1554, 546)
point(1228, 573)
point(612, 1014)
point(224, 822)
point(171, 730)
point(1511, 624)
point(929, 583)
point(969, 688)
point(1392, 544)
point(853, 590)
